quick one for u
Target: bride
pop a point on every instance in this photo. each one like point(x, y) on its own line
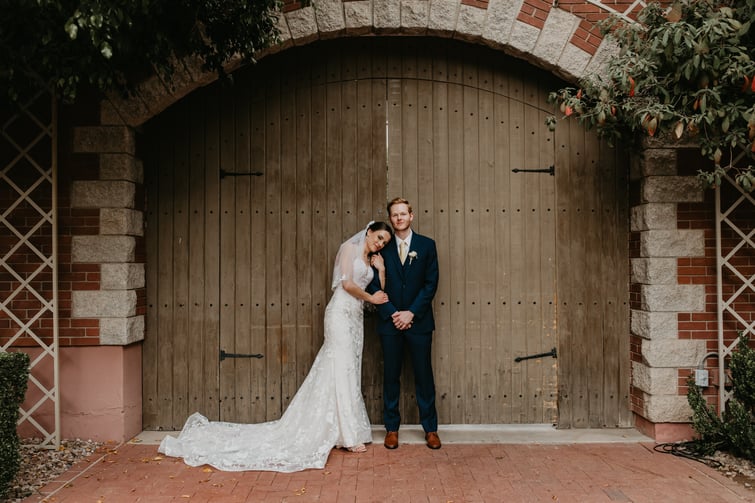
point(328, 410)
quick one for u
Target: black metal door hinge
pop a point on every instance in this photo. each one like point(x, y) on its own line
point(224, 173)
point(550, 169)
point(224, 355)
point(552, 353)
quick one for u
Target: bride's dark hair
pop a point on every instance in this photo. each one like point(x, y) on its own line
point(380, 226)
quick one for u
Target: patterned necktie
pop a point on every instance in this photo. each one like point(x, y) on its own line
point(402, 252)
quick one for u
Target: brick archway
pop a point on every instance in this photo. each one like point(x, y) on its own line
point(561, 37)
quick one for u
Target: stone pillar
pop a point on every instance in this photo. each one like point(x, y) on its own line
point(114, 247)
point(659, 298)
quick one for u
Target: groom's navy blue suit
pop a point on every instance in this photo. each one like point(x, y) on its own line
point(411, 287)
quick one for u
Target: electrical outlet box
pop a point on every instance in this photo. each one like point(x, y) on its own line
point(701, 377)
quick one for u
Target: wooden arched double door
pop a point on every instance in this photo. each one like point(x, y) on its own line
point(252, 186)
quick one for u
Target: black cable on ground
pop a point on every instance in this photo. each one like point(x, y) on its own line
point(689, 450)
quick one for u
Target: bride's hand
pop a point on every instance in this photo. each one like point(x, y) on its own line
point(376, 261)
point(379, 297)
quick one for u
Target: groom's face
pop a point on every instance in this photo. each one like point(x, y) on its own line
point(401, 217)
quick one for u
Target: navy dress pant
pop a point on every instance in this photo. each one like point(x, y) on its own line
point(419, 348)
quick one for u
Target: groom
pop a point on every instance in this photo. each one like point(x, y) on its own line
point(406, 321)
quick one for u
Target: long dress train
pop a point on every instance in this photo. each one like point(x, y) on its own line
point(327, 411)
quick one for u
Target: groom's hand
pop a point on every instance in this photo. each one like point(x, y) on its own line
point(402, 320)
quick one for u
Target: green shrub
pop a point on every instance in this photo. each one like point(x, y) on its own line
point(14, 376)
point(734, 430)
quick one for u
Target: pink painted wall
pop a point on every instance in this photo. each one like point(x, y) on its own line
point(101, 393)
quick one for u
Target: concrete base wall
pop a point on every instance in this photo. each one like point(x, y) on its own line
point(100, 393)
point(664, 432)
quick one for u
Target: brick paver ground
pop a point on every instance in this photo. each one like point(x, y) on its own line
point(584, 472)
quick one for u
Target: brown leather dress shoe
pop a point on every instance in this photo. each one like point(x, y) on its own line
point(391, 440)
point(432, 439)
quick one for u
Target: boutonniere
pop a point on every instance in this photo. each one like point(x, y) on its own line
point(412, 255)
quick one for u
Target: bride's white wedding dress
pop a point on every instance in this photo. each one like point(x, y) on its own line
point(327, 411)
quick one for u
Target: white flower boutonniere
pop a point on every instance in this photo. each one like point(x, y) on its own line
point(412, 255)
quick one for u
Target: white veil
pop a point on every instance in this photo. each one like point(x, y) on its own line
point(350, 250)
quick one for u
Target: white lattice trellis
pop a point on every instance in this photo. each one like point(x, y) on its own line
point(626, 14)
point(28, 257)
point(735, 242)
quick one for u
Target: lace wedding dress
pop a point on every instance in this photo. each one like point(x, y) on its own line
point(327, 411)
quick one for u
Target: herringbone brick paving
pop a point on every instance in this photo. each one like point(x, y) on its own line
point(457, 473)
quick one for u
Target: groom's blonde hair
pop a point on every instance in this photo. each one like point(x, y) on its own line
point(398, 200)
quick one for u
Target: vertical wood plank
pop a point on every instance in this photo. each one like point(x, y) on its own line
point(153, 338)
point(564, 250)
point(165, 386)
point(181, 239)
point(201, 369)
point(227, 208)
point(487, 217)
point(289, 268)
point(531, 206)
point(548, 258)
point(592, 282)
point(443, 337)
point(212, 256)
point(470, 234)
point(273, 248)
point(518, 248)
point(258, 391)
point(306, 347)
point(242, 230)
point(455, 268)
point(503, 295)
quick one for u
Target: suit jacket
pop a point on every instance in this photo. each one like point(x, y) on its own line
point(410, 286)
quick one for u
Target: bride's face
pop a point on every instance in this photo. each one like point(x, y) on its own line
point(377, 240)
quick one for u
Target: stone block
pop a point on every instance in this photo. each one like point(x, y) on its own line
point(654, 271)
point(415, 16)
point(102, 194)
point(285, 39)
point(121, 167)
point(103, 140)
point(667, 409)
point(501, 16)
point(672, 189)
point(655, 381)
point(557, 30)
point(330, 18)
point(358, 16)
point(679, 298)
point(672, 353)
point(658, 162)
point(109, 114)
point(102, 249)
point(598, 65)
point(103, 304)
point(302, 25)
point(654, 216)
point(523, 37)
point(121, 331)
point(672, 243)
point(471, 23)
point(573, 60)
point(122, 276)
point(443, 15)
point(121, 221)
point(386, 15)
point(654, 325)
